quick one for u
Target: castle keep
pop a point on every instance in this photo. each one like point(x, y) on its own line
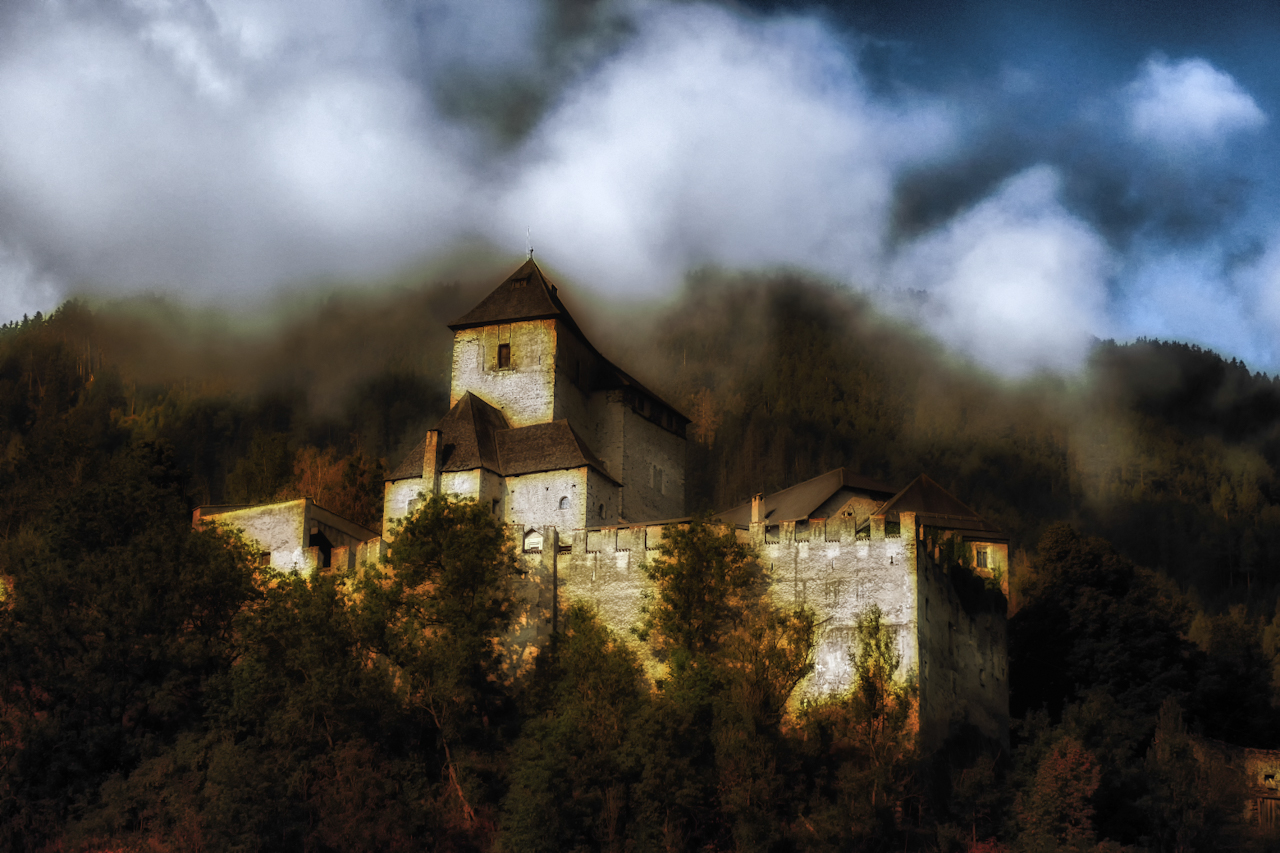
point(586, 466)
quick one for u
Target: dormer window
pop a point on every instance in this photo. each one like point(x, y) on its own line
point(504, 356)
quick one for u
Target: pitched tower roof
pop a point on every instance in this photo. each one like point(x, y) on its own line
point(525, 295)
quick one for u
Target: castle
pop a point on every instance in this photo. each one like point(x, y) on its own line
point(586, 467)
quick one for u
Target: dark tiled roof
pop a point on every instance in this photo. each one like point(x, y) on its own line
point(801, 500)
point(553, 446)
point(466, 440)
point(476, 435)
point(525, 295)
point(411, 465)
point(935, 506)
point(467, 435)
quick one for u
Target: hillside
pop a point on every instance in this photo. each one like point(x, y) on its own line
point(157, 691)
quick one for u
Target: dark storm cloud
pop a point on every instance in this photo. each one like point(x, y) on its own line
point(1049, 172)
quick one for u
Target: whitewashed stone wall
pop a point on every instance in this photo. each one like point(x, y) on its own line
point(525, 391)
point(653, 470)
point(533, 500)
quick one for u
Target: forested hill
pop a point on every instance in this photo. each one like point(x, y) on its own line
point(1167, 450)
point(158, 691)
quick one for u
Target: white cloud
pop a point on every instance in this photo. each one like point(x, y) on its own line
point(223, 148)
point(1017, 281)
point(717, 139)
point(24, 290)
point(1188, 103)
point(1252, 330)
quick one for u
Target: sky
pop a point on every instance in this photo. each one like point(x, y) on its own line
point(1018, 178)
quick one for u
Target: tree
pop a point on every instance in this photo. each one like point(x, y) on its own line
point(575, 762)
point(705, 580)
point(1091, 619)
point(1192, 800)
point(863, 743)
point(712, 744)
point(1056, 811)
point(436, 614)
point(118, 615)
point(351, 485)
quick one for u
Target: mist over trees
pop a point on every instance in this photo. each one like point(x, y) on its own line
point(158, 691)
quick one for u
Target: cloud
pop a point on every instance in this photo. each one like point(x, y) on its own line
point(1188, 103)
point(24, 289)
point(222, 148)
point(718, 139)
point(1016, 281)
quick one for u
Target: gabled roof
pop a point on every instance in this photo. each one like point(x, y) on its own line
point(554, 446)
point(935, 506)
point(803, 499)
point(525, 295)
point(476, 435)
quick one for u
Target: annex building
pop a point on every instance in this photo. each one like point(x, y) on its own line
point(585, 465)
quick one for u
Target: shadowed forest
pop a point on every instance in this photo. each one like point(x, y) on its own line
point(158, 692)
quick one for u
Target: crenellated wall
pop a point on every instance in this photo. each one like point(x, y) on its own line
point(947, 640)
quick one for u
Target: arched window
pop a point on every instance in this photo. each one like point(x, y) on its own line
point(564, 502)
point(601, 510)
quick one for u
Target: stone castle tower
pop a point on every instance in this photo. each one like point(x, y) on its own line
point(542, 428)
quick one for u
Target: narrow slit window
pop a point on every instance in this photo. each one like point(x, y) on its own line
point(504, 356)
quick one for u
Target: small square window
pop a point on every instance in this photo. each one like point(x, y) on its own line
point(504, 356)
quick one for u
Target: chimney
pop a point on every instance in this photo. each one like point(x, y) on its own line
point(757, 508)
point(431, 461)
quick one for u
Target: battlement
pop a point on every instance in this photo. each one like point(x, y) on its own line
point(646, 537)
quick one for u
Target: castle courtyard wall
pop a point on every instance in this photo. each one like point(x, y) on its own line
point(282, 531)
point(277, 529)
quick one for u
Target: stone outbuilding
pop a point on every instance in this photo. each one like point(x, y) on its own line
point(297, 535)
